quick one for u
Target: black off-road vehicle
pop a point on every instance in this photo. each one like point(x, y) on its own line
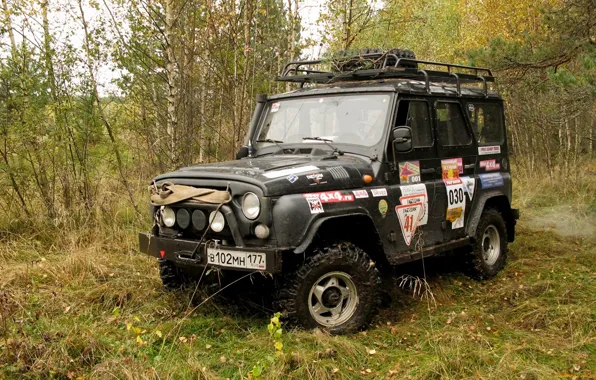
point(377, 160)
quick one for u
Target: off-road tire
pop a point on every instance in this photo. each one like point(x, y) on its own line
point(292, 296)
point(171, 277)
point(476, 264)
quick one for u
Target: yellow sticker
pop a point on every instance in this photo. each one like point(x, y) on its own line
point(383, 207)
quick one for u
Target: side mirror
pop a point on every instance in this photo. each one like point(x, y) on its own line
point(243, 152)
point(402, 139)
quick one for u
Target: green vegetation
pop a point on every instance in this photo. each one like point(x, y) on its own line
point(91, 306)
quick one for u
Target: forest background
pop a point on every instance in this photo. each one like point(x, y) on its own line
point(99, 96)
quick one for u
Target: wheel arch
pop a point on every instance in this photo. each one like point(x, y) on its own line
point(358, 229)
point(498, 201)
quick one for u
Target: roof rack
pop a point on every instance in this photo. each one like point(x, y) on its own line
point(388, 66)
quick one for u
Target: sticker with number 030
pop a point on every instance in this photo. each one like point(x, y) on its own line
point(456, 204)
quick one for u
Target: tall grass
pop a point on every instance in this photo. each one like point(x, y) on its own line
point(78, 300)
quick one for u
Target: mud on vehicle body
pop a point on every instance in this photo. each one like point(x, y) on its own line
point(337, 181)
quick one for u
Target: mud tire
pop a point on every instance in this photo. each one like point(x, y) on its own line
point(292, 296)
point(171, 277)
point(476, 262)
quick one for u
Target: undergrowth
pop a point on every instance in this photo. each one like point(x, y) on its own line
point(83, 303)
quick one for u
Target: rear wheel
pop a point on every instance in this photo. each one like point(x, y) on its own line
point(489, 246)
point(336, 289)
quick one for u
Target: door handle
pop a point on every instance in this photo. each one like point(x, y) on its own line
point(428, 170)
point(470, 166)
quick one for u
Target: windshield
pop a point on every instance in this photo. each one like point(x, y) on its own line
point(348, 119)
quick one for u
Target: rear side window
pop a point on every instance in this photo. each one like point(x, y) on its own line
point(415, 114)
point(451, 126)
point(487, 122)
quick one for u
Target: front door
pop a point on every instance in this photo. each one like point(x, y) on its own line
point(413, 181)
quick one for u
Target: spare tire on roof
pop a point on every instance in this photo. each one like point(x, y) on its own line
point(363, 59)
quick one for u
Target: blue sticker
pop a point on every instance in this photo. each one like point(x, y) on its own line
point(491, 180)
point(293, 178)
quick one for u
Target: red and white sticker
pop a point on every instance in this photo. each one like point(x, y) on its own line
point(408, 216)
point(414, 194)
point(314, 203)
point(489, 165)
point(484, 150)
point(454, 161)
point(382, 192)
point(275, 107)
point(360, 194)
point(330, 197)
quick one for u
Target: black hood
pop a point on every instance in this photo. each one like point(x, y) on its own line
point(283, 174)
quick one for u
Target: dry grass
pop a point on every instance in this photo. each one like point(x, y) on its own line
point(84, 303)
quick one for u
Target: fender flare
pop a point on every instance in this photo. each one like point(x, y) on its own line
point(479, 205)
point(314, 228)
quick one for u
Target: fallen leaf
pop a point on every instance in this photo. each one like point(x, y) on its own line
point(372, 352)
point(222, 359)
point(207, 346)
point(158, 333)
point(183, 339)
point(335, 370)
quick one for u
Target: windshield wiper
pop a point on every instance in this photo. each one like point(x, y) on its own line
point(276, 142)
point(326, 141)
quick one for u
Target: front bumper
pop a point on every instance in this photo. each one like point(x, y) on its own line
point(188, 253)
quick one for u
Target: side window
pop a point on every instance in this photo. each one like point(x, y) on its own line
point(451, 126)
point(487, 122)
point(415, 114)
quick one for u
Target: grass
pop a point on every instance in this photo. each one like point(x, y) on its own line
point(91, 306)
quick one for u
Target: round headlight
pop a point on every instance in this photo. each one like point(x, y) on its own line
point(217, 221)
point(168, 216)
point(251, 206)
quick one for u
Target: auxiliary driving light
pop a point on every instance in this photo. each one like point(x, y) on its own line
point(168, 216)
point(217, 221)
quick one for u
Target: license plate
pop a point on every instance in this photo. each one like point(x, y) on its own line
point(236, 259)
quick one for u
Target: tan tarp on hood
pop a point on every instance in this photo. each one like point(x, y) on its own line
point(167, 193)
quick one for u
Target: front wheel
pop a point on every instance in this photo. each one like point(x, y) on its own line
point(336, 289)
point(489, 246)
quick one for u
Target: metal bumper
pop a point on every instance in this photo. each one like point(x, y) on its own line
point(188, 253)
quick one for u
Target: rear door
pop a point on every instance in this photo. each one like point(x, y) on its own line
point(457, 152)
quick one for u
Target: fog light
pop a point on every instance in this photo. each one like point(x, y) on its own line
point(183, 218)
point(217, 221)
point(262, 231)
point(168, 216)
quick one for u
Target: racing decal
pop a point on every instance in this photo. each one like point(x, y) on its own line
point(383, 207)
point(409, 172)
point(408, 216)
point(413, 194)
point(484, 150)
point(293, 178)
point(315, 205)
point(330, 197)
point(316, 178)
point(469, 186)
point(456, 202)
point(275, 107)
point(458, 161)
point(287, 172)
point(489, 165)
point(450, 171)
point(491, 180)
point(360, 194)
point(382, 192)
